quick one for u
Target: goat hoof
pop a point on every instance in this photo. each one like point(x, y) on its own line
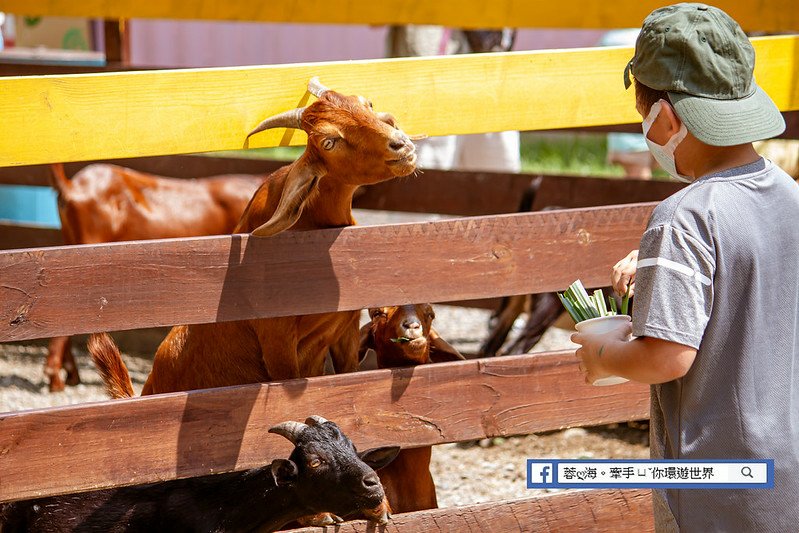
point(56, 384)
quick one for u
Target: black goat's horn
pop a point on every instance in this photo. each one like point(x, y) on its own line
point(291, 430)
point(315, 420)
point(287, 119)
point(316, 88)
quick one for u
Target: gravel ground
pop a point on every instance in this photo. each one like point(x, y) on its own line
point(464, 473)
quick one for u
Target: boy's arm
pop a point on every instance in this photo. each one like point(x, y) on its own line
point(645, 359)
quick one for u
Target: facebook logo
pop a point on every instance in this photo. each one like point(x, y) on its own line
point(540, 474)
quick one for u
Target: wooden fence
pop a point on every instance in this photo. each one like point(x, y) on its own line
point(81, 289)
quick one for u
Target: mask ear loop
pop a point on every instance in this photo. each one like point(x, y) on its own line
point(654, 111)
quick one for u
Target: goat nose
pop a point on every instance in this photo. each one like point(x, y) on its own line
point(411, 324)
point(397, 145)
point(371, 481)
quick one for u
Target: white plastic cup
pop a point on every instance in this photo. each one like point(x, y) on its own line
point(604, 324)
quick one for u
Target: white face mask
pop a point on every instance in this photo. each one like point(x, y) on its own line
point(664, 155)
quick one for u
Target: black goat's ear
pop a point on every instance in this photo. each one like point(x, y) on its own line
point(377, 458)
point(284, 472)
point(441, 351)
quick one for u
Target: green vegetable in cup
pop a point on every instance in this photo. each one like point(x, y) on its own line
point(582, 306)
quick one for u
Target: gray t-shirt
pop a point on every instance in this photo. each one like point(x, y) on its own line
point(718, 270)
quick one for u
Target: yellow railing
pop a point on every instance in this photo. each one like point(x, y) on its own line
point(91, 116)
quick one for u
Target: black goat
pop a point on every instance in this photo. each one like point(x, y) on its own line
point(324, 473)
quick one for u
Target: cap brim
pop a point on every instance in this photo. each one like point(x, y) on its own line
point(729, 122)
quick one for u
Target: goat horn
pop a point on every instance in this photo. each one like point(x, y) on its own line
point(316, 88)
point(315, 420)
point(287, 119)
point(291, 430)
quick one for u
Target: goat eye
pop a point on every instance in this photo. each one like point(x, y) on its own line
point(314, 463)
point(329, 143)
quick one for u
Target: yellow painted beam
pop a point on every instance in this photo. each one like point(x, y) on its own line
point(99, 116)
point(765, 15)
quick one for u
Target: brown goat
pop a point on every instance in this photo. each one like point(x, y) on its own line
point(404, 336)
point(348, 145)
point(109, 203)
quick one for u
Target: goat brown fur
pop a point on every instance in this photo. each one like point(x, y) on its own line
point(109, 203)
point(404, 336)
point(348, 145)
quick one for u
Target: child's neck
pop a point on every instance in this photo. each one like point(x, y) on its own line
point(698, 159)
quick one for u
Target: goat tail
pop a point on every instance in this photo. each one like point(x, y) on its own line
point(59, 178)
point(112, 369)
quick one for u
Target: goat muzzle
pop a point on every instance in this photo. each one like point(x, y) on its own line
point(379, 514)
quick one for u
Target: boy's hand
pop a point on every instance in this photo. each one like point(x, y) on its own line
point(623, 274)
point(593, 348)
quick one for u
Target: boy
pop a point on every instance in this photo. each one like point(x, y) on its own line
point(716, 311)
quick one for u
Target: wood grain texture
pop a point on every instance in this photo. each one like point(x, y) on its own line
point(491, 193)
point(56, 291)
point(13, 236)
point(160, 437)
point(772, 15)
point(174, 166)
point(606, 510)
point(449, 192)
point(95, 116)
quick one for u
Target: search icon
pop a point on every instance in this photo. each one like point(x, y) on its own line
point(747, 472)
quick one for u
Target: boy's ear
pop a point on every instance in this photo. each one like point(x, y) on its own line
point(441, 351)
point(673, 122)
point(284, 472)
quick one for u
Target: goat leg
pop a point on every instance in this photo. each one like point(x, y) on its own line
point(70, 365)
point(54, 362)
point(545, 311)
point(507, 313)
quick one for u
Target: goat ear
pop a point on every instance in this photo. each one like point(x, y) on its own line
point(284, 472)
point(367, 341)
point(298, 189)
point(441, 351)
point(377, 458)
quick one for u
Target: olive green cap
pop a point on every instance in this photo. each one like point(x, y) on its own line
point(702, 58)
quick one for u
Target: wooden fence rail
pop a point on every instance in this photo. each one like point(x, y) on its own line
point(611, 511)
point(81, 289)
point(79, 117)
point(448, 192)
point(177, 435)
point(765, 15)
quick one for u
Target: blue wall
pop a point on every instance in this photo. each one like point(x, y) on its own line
point(36, 205)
